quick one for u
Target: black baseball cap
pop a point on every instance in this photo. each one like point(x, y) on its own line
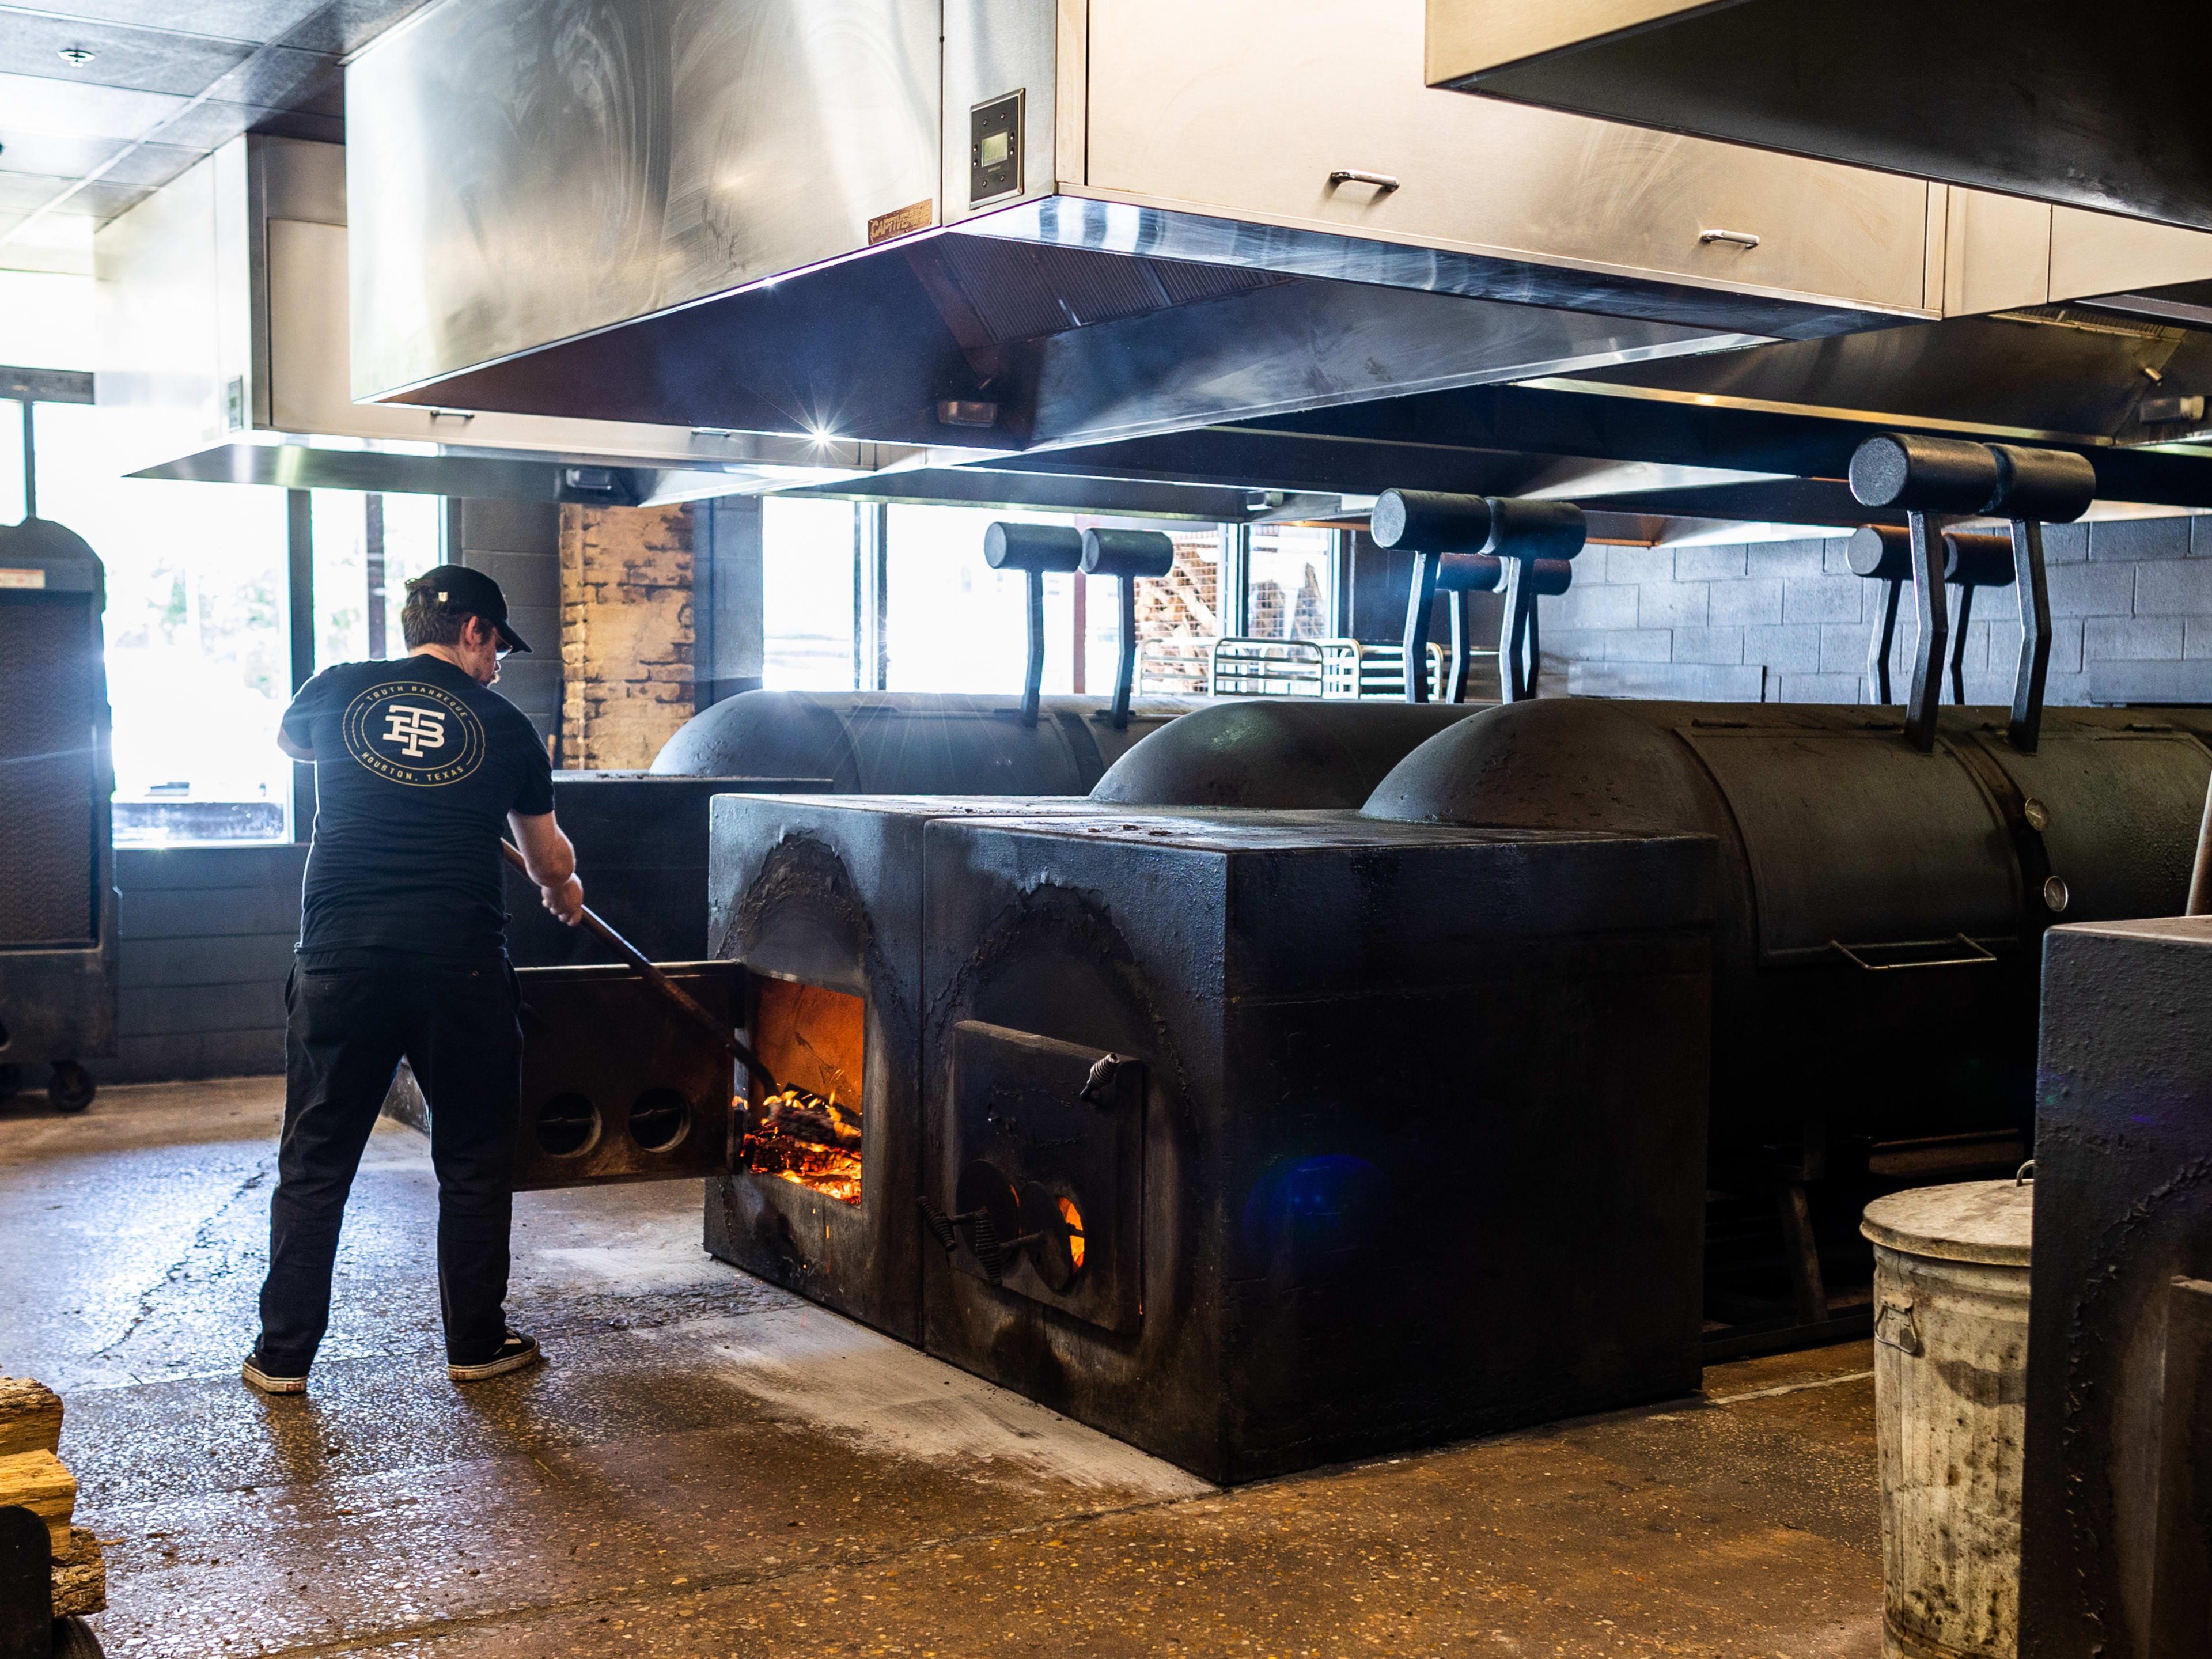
point(460, 588)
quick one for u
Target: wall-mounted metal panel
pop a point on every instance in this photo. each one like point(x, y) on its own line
point(994, 48)
point(1313, 112)
point(524, 171)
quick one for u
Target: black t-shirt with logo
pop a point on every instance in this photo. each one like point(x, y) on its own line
point(416, 768)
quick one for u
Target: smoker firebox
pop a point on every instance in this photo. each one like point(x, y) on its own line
point(1240, 1126)
point(820, 896)
point(1414, 1122)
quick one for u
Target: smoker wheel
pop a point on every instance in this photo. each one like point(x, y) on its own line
point(71, 1088)
point(73, 1639)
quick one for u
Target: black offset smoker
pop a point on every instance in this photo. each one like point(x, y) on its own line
point(1464, 544)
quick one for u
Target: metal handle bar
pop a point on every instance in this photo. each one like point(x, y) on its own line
point(1739, 238)
point(1980, 956)
point(1382, 181)
point(660, 981)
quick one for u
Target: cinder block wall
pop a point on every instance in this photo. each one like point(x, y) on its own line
point(518, 545)
point(205, 941)
point(626, 632)
point(2121, 591)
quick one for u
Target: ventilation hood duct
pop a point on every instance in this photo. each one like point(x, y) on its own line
point(2035, 98)
point(223, 332)
point(983, 228)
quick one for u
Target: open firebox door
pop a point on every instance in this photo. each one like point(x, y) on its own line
point(635, 1072)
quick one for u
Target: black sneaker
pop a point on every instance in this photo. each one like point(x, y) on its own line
point(266, 1377)
point(513, 1354)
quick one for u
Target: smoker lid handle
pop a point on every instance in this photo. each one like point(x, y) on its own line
point(659, 981)
point(1979, 956)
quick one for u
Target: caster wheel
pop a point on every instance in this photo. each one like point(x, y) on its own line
point(71, 1088)
point(73, 1639)
point(11, 1080)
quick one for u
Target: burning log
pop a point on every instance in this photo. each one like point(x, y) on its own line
point(801, 1137)
point(804, 1116)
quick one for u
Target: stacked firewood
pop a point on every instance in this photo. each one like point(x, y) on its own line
point(31, 1475)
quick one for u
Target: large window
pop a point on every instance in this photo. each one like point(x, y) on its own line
point(922, 601)
point(808, 598)
point(955, 624)
point(199, 665)
point(367, 548)
point(1291, 573)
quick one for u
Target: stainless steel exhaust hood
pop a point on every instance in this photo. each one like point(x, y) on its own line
point(2038, 98)
point(1067, 223)
point(223, 342)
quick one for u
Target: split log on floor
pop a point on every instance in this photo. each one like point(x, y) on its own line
point(30, 1417)
point(37, 1480)
point(80, 1576)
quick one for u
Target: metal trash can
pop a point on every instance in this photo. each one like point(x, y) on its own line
point(1950, 1396)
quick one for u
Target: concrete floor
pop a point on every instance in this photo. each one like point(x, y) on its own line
point(712, 1467)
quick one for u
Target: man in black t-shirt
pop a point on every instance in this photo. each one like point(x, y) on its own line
point(420, 768)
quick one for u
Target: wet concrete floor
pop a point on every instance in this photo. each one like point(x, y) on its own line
point(712, 1467)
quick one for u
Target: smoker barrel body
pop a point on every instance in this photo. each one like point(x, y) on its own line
point(912, 743)
point(1950, 1358)
point(1273, 753)
point(1861, 884)
point(1360, 1066)
point(57, 908)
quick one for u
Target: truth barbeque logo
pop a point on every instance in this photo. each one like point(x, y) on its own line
point(414, 733)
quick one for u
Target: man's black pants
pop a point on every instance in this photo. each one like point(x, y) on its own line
point(353, 1015)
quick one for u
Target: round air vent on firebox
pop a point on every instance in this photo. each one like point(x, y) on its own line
point(568, 1126)
point(658, 1120)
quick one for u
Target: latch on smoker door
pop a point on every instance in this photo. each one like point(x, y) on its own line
point(1895, 1325)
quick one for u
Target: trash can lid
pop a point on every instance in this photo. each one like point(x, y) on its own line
point(1986, 1221)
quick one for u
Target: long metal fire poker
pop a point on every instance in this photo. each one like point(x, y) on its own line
point(638, 963)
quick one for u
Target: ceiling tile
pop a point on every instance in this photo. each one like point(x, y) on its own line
point(300, 123)
point(344, 26)
point(253, 21)
point(149, 165)
point(24, 192)
point(144, 60)
point(277, 77)
point(211, 123)
point(53, 152)
point(37, 103)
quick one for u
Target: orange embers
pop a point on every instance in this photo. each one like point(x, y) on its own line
point(1073, 1217)
point(814, 1040)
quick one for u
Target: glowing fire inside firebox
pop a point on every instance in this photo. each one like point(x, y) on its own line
point(811, 1132)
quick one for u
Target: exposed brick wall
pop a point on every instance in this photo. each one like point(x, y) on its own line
point(2121, 590)
point(626, 632)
